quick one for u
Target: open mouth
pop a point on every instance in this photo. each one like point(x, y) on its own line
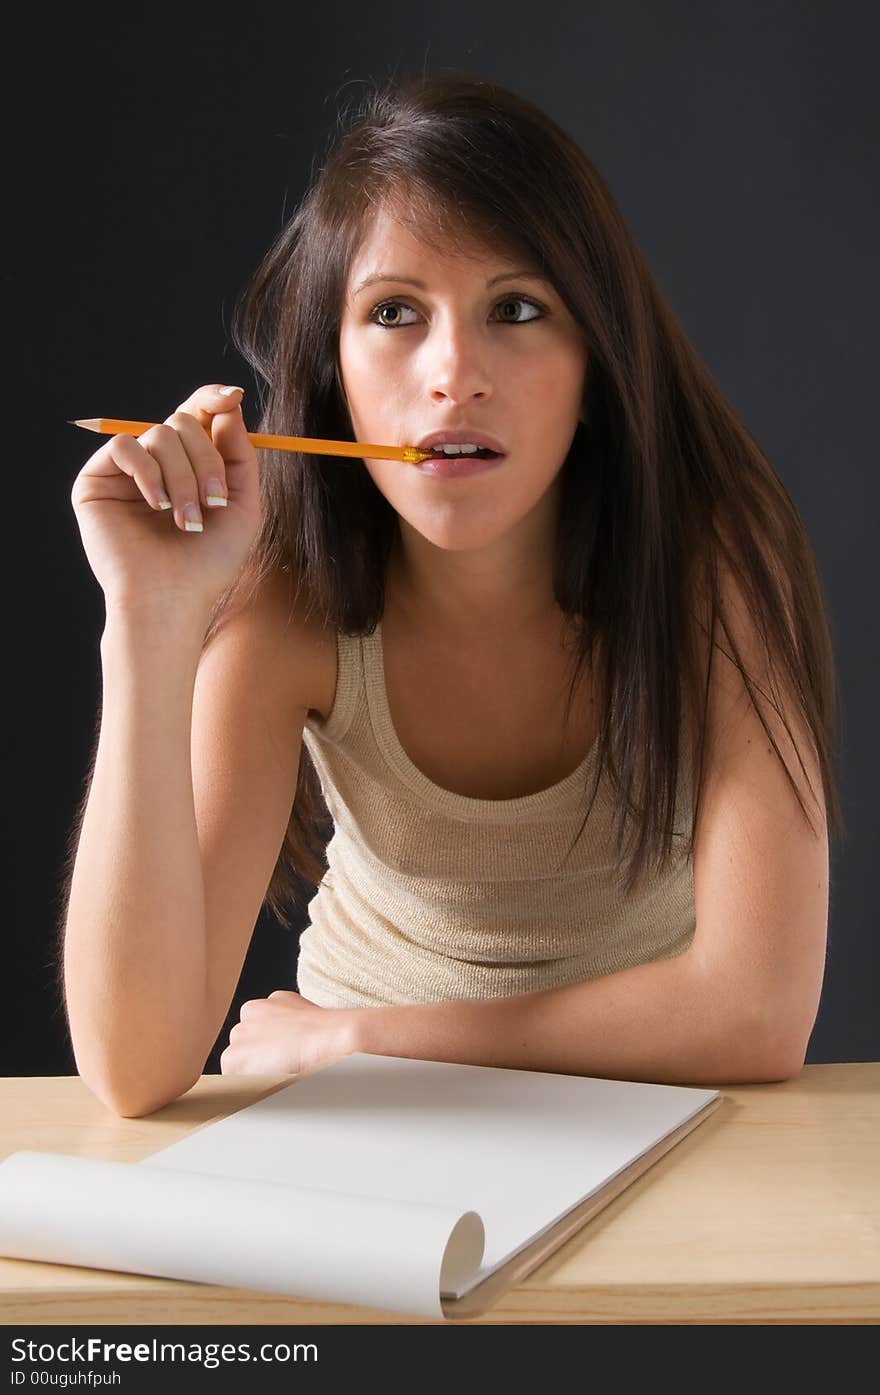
point(481, 453)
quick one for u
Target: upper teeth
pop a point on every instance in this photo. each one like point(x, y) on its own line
point(460, 448)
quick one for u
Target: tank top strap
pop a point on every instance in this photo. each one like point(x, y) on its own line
point(349, 688)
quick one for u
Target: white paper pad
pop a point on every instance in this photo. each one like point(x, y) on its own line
point(378, 1180)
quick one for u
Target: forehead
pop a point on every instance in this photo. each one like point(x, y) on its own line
point(391, 245)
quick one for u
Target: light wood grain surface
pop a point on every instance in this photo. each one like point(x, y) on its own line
point(768, 1213)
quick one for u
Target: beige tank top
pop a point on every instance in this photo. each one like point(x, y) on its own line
point(430, 894)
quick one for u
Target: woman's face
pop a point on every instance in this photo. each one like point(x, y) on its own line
point(455, 353)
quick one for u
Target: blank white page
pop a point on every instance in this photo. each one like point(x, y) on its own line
point(520, 1148)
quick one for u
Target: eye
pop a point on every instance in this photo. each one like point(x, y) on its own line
point(400, 304)
point(387, 305)
point(521, 300)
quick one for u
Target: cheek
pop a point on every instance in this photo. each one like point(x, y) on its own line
point(354, 365)
point(557, 379)
point(370, 384)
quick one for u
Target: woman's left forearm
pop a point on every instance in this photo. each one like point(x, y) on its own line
point(660, 1022)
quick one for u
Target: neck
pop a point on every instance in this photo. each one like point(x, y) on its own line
point(483, 593)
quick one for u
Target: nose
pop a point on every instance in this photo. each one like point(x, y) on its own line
point(457, 369)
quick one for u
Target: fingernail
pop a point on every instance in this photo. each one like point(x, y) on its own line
point(214, 496)
point(228, 391)
point(192, 519)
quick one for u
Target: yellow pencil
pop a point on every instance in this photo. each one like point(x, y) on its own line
point(110, 426)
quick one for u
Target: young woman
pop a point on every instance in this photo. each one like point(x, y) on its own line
point(568, 711)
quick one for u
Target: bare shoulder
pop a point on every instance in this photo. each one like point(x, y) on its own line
point(302, 648)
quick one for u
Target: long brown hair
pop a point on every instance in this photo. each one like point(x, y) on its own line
point(660, 482)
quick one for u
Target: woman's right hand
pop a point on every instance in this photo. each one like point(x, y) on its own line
point(142, 554)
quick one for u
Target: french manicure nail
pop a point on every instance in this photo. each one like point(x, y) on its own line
point(192, 519)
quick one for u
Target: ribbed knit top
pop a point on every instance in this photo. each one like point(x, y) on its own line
point(430, 894)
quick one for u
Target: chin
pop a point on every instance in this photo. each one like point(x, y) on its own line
point(457, 537)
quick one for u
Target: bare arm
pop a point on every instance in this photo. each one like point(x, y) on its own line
point(194, 779)
point(664, 1021)
point(134, 942)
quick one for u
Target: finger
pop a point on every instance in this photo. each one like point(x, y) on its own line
point(165, 445)
point(230, 436)
point(209, 400)
point(217, 408)
point(121, 456)
point(208, 465)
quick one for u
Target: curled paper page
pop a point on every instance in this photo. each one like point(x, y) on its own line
point(266, 1236)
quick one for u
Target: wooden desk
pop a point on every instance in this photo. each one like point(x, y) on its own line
point(768, 1213)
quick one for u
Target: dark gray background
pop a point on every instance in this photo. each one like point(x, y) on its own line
point(152, 165)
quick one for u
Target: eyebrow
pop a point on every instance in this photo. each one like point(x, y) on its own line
point(413, 281)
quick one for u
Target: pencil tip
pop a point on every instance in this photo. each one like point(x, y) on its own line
point(90, 423)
